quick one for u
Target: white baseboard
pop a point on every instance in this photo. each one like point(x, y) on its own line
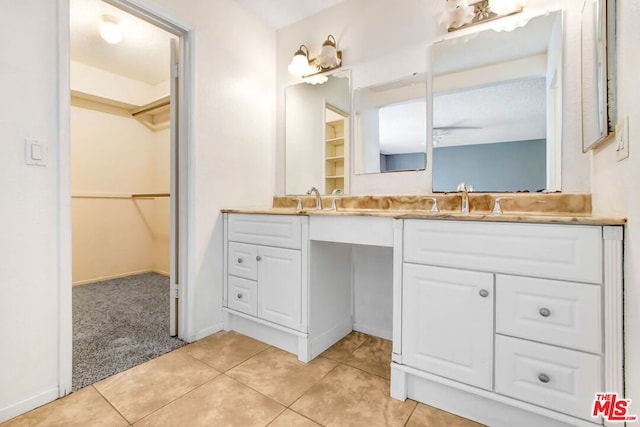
point(369, 330)
point(28, 404)
point(319, 343)
point(208, 331)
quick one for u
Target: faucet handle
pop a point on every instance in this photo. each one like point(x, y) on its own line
point(497, 210)
point(434, 205)
point(298, 204)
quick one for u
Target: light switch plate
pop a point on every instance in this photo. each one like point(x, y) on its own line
point(622, 139)
point(35, 152)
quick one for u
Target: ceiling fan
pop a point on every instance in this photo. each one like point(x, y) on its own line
point(440, 131)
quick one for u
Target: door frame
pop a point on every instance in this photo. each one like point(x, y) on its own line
point(186, 189)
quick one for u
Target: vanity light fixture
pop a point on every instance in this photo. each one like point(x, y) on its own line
point(329, 59)
point(506, 7)
point(110, 29)
point(488, 10)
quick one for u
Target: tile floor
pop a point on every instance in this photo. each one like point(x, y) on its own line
point(228, 379)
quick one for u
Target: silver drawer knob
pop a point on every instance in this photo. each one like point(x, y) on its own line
point(258, 258)
point(484, 293)
point(543, 378)
point(239, 295)
point(545, 312)
point(240, 260)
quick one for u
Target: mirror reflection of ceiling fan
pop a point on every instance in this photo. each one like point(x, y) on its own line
point(440, 131)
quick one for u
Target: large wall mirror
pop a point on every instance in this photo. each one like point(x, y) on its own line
point(497, 108)
point(317, 135)
point(598, 72)
point(390, 126)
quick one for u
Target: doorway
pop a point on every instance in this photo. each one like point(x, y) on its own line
point(128, 170)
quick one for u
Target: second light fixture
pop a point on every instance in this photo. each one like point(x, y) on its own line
point(329, 59)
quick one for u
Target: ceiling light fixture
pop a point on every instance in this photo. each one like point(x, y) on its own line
point(110, 29)
point(329, 59)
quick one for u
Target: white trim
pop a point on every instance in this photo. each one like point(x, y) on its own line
point(65, 325)
point(34, 401)
point(372, 330)
point(187, 184)
point(474, 403)
point(203, 333)
point(155, 16)
point(398, 228)
point(613, 311)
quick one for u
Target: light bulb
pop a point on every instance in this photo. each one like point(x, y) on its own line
point(505, 7)
point(300, 63)
point(110, 30)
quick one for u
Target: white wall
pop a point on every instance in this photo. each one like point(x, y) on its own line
point(233, 162)
point(615, 186)
point(233, 134)
point(382, 43)
point(28, 206)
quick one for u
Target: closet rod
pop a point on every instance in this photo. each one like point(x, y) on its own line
point(100, 196)
point(118, 196)
point(149, 195)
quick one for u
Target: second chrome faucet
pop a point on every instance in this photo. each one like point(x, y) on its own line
point(314, 190)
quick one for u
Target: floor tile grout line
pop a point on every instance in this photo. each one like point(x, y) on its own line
point(411, 414)
point(307, 390)
point(177, 398)
point(110, 404)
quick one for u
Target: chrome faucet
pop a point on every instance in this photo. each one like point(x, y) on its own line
point(464, 194)
point(337, 191)
point(318, 198)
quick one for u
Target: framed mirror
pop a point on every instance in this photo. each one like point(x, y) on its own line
point(390, 131)
point(317, 135)
point(598, 72)
point(497, 108)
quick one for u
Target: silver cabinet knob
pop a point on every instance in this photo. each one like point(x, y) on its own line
point(239, 295)
point(240, 260)
point(543, 378)
point(258, 258)
point(484, 293)
point(545, 312)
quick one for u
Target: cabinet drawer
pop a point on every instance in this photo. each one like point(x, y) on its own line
point(556, 378)
point(282, 231)
point(568, 252)
point(562, 313)
point(243, 295)
point(242, 260)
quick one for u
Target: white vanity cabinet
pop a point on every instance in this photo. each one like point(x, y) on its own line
point(266, 286)
point(508, 321)
point(265, 282)
point(447, 318)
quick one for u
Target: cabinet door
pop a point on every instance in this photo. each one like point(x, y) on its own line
point(447, 323)
point(280, 286)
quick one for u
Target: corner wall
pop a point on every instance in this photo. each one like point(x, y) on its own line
point(29, 207)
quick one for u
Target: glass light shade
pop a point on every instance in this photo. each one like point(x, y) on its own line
point(110, 30)
point(299, 65)
point(505, 7)
point(328, 57)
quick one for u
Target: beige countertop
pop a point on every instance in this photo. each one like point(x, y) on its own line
point(424, 214)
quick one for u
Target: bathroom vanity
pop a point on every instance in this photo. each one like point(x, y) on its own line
point(495, 317)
